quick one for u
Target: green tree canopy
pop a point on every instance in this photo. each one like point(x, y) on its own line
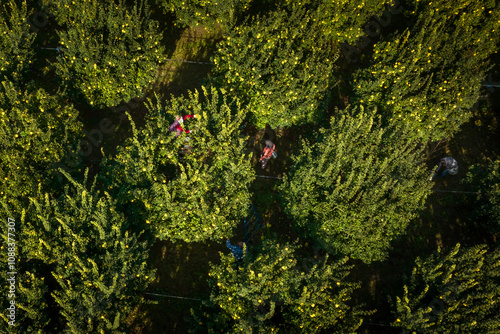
point(111, 51)
point(16, 39)
point(35, 128)
point(458, 292)
point(190, 190)
point(78, 241)
point(280, 65)
point(341, 21)
point(357, 188)
point(430, 75)
point(269, 292)
point(31, 291)
point(207, 13)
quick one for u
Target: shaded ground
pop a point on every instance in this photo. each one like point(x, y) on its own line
point(182, 270)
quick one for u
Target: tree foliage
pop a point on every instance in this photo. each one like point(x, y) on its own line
point(429, 76)
point(82, 247)
point(35, 127)
point(268, 292)
point(338, 20)
point(280, 65)
point(16, 52)
point(207, 13)
point(31, 304)
point(111, 51)
point(456, 292)
point(357, 188)
point(98, 269)
point(189, 193)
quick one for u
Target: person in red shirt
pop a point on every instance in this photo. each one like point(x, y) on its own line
point(177, 125)
point(267, 153)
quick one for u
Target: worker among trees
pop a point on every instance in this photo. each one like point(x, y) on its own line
point(267, 153)
point(177, 125)
point(236, 250)
point(449, 164)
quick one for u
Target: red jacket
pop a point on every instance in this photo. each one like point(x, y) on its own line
point(176, 126)
point(267, 152)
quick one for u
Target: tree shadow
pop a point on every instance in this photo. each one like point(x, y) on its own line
point(181, 270)
point(178, 74)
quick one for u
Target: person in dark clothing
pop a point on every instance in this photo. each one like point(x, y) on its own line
point(449, 165)
point(236, 250)
point(267, 153)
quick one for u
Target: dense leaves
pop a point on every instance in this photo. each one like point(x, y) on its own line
point(430, 75)
point(35, 129)
point(269, 292)
point(81, 249)
point(16, 53)
point(280, 65)
point(111, 51)
point(31, 313)
point(344, 21)
point(357, 188)
point(78, 242)
point(187, 189)
point(209, 13)
point(454, 292)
